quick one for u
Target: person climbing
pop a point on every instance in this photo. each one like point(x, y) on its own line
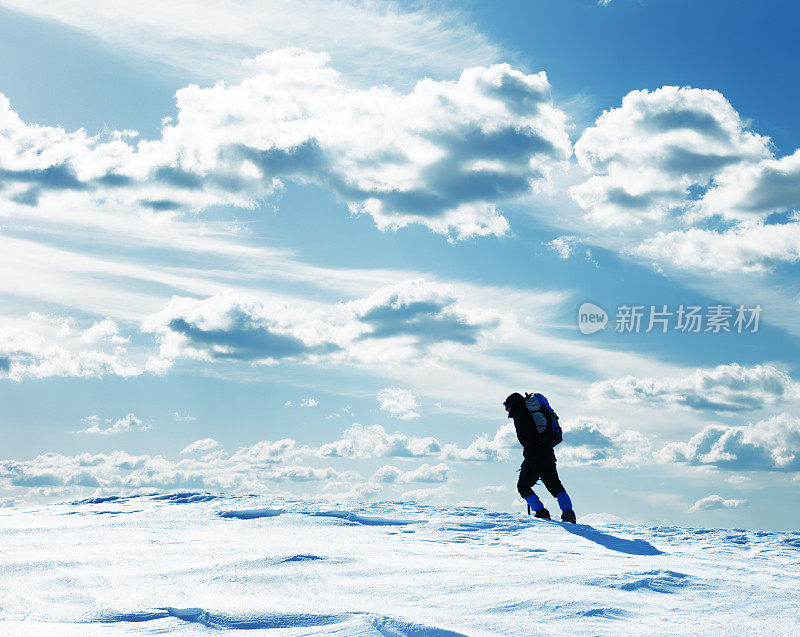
point(538, 432)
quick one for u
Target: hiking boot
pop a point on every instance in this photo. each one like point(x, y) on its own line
point(542, 513)
point(568, 516)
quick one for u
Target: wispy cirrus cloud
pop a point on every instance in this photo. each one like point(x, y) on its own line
point(200, 446)
point(388, 42)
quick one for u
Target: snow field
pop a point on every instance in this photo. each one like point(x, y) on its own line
point(200, 564)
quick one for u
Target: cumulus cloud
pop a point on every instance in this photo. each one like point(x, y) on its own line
point(485, 449)
point(753, 190)
point(423, 473)
point(206, 444)
point(731, 387)
point(711, 191)
point(599, 442)
point(269, 452)
point(442, 155)
point(421, 312)
point(401, 321)
point(400, 403)
point(27, 354)
point(120, 471)
point(359, 441)
point(651, 152)
point(238, 327)
point(204, 465)
point(309, 401)
point(440, 494)
point(105, 330)
point(109, 426)
point(716, 502)
point(417, 317)
point(768, 445)
point(588, 441)
point(744, 248)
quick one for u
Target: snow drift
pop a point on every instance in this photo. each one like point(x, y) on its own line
point(200, 563)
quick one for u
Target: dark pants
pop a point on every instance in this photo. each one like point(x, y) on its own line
point(540, 466)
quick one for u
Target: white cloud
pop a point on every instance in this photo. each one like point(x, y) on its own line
point(238, 327)
point(304, 473)
point(268, 452)
point(179, 417)
point(442, 155)
point(491, 489)
point(120, 471)
point(105, 330)
point(390, 42)
point(400, 403)
point(27, 354)
point(423, 473)
point(407, 320)
point(485, 449)
point(716, 502)
point(753, 190)
point(767, 445)
point(309, 401)
point(587, 441)
point(731, 387)
point(649, 153)
point(683, 182)
point(109, 426)
point(745, 248)
point(597, 441)
point(359, 441)
point(563, 245)
point(206, 444)
point(344, 411)
point(772, 445)
point(433, 495)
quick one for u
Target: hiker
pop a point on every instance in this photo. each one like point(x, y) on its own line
point(538, 432)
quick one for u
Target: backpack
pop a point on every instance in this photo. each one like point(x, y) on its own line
point(545, 419)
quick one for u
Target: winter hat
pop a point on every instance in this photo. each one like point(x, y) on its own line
point(513, 403)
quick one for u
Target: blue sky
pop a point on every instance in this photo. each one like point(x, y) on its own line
point(308, 250)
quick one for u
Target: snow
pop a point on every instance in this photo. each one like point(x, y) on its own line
point(201, 563)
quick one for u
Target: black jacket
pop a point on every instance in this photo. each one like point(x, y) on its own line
point(534, 444)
